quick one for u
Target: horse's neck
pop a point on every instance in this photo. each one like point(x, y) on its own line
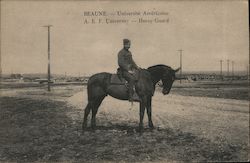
point(156, 74)
point(155, 79)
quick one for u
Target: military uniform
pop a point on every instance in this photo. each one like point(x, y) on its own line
point(125, 60)
point(127, 65)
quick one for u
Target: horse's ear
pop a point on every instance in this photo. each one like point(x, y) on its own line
point(177, 69)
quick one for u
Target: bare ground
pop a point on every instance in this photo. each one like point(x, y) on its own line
point(40, 126)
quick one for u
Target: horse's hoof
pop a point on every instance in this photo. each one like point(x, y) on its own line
point(140, 129)
point(84, 125)
point(151, 126)
point(84, 129)
point(93, 128)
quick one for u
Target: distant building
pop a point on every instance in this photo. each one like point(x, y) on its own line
point(16, 76)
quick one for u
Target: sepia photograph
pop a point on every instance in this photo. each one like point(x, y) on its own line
point(124, 81)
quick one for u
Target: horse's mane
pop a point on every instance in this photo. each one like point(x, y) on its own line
point(159, 66)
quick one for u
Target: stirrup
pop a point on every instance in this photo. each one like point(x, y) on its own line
point(135, 98)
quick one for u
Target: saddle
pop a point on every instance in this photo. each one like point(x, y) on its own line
point(118, 79)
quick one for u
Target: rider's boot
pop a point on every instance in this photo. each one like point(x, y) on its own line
point(130, 93)
point(133, 96)
point(136, 98)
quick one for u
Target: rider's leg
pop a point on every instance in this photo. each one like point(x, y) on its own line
point(131, 82)
point(131, 89)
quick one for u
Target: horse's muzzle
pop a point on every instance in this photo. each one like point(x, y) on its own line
point(165, 92)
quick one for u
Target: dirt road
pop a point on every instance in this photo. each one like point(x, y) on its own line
point(223, 121)
point(41, 126)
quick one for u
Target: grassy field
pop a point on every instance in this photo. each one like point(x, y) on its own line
point(219, 89)
point(37, 125)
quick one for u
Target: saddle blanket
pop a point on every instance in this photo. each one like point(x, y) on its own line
point(116, 80)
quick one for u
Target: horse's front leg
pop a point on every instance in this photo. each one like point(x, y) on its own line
point(142, 110)
point(86, 113)
point(149, 112)
point(93, 119)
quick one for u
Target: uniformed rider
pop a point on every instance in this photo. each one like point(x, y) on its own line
point(127, 66)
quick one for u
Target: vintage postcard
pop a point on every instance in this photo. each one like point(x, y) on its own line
point(124, 81)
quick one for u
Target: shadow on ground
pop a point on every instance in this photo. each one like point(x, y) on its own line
point(40, 130)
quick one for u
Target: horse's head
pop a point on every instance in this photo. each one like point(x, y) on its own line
point(168, 77)
point(164, 73)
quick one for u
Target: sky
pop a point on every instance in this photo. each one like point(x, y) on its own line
point(207, 32)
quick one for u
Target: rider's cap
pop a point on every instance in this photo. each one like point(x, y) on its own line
point(125, 41)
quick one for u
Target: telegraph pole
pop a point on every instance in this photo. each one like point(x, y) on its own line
point(180, 63)
point(0, 65)
point(247, 72)
point(228, 67)
point(232, 70)
point(221, 69)
point(48, 26)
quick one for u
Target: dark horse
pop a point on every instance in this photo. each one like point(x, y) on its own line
point(99, 86)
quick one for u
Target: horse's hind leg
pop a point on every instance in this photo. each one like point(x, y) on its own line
point(142, 110)
point(95, 107)
point(149, 112)
point(86, 113)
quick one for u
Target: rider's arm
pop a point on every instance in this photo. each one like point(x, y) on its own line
point(133, 63)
